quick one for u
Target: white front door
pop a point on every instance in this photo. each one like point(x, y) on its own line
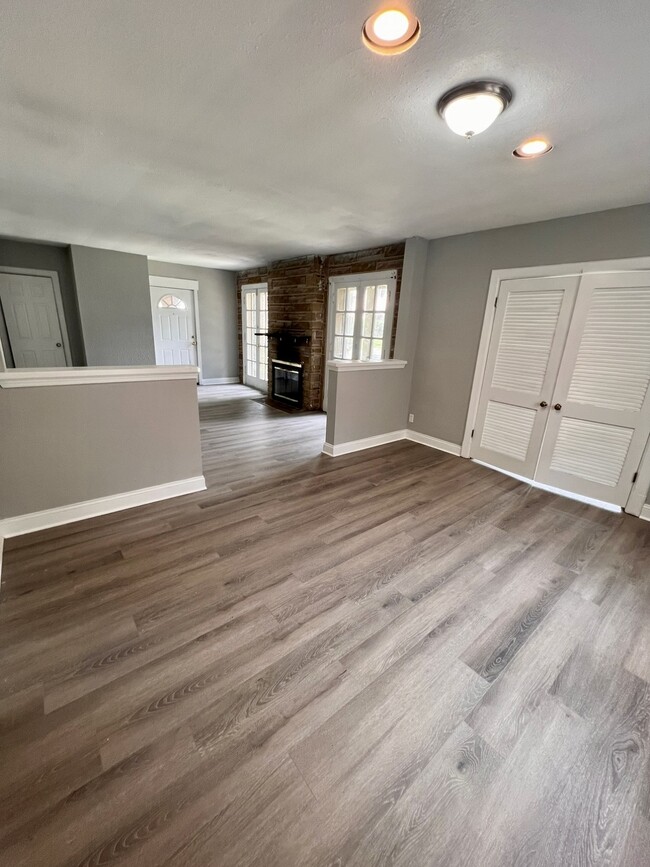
point(255, 319)
point(528, 337)
point(32, 319)
point(600, 417)
point(174, 322)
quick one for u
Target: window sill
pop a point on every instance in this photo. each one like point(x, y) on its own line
point(389, 364)
point(48, 376)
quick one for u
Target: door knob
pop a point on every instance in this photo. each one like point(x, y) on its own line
point(58, 344)
point(194, 343)
point(543, 404)
point(558, 406)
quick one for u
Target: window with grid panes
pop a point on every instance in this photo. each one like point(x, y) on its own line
point(361, 312)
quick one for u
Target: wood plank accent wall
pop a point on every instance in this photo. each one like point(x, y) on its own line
point(298, 301)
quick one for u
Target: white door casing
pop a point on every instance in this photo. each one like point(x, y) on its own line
point(526, 346)
point(174, 321)
point(599, 422)
point(255, 347)
point(33, 318)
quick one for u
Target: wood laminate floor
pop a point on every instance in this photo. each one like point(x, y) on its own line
point(394, 657)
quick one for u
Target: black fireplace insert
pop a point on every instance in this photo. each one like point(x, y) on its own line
point(286, 382)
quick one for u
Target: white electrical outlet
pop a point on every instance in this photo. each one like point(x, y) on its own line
point(411, 418)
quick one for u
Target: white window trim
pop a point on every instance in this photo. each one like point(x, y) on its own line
point(344, 281)
point(172, 283)
point(58, 301)
point(636, 500)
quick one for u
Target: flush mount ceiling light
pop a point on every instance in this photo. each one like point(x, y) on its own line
point(472, 108)
point(533, 147)
point(391, 31)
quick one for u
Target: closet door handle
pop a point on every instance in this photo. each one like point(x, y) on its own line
point(558, 406)
point(543, 404)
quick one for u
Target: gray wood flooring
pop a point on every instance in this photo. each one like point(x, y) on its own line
point(394, 657)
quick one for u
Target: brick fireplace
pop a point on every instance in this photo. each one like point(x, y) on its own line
point(298, 305)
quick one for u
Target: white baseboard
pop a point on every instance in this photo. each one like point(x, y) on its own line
point(359, 445)
point(590, 501)
point(221, 380)
point(433, 442)
point(645, 512)
point(382, 440)
point(34, 521)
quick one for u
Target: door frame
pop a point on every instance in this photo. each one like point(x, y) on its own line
point(58, 303)
point(156, 282)
point(636, 499)
point(247, 287)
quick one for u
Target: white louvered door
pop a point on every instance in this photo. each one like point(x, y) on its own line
point(595, 438)
point(528, 337)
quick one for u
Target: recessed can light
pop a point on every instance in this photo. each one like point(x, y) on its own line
point(390, 31)
point(533, 147)
point(471, 108)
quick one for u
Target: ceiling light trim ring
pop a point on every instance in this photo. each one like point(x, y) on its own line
point(396, 46)
point(523, 156)
point(475, 87)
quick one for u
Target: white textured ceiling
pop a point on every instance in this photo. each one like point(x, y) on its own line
point(229, 133)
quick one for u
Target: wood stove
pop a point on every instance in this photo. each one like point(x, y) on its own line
point(286, 382)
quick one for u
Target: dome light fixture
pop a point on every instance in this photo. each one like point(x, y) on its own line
point(391, 31)
point(531, 148)
point(471, 108)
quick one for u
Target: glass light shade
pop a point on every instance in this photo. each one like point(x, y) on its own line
point(390, 25)
point(472, 113)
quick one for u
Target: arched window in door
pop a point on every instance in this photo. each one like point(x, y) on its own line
point(171, 301)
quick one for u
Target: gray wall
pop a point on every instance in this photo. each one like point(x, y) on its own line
point(456, 286)
point(72, 443)
point(114, 306)
point(46, 257)
point(217, 315)
point(365, 403)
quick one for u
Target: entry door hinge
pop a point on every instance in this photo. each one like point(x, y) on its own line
point(472, 434)
point(635, 477)
point(495, 300)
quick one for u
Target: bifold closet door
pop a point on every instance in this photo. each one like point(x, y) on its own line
point(528, 336)
point(599, 419)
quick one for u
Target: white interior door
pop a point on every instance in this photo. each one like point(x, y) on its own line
point(528, 337)
point(174, 322)
point(600, 417)
point(32, 320)
point(255, 318)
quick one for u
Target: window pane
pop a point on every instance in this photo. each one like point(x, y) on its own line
point(349, 324)
point(340, 299)
point(340, 323)
point(338, 347)
point(375, 350)
point(251, 301)
point(264, 301)
point(347, 348)
point(366, 325)
point(382, 297)
point(378, 327)
point(369, 298)
point(365, 349)
point(351, 303)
